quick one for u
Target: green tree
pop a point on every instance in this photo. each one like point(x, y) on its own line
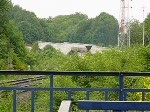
point(105, 28)
point(16, 47)
point(147, 29)
point(62, 25)
point(136, 33)
point(5, 7)
point(102, 30)
point(28, 24)
point(12, 45)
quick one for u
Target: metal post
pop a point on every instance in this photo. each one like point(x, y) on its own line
point(121, 87)
point(69, 95)
point(106, 95)
point(121, 92)
point(143, 27)
point(143, 97)
point(106, 98)
point(125, 96)
point(15, 102)
point(87, 97)
point(51, 92)
point(118, 39)
point(32, 101)
point(129, 35)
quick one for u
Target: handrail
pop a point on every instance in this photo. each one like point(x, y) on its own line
point(113, 105)
point(74, 73)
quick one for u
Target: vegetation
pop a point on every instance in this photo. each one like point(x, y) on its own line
point(147, 29)
point(12, 44)
point(71, 28)
point(19, 27)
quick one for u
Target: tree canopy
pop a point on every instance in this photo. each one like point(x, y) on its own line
point(102, 30)
point(19, 27)
point(12, 46)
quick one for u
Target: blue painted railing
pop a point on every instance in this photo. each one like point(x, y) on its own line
point(122, 91)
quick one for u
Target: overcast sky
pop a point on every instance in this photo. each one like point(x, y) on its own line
point(92, 8)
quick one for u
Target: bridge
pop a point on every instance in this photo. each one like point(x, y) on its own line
point(117, 106)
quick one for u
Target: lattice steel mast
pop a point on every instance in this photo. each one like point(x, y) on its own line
point(124, 33)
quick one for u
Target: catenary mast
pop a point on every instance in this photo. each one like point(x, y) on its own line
point(124, 32)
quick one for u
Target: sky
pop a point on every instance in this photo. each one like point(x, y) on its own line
point(92, 8)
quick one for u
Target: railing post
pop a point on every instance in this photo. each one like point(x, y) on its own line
point(69, 95)
point(87, 97)
point(143, 97)
point(51, 92)
point(106, 98)
point(106, 95)
point(15, 102)
point(125, 96)
point(121, 87)
point(32, 101)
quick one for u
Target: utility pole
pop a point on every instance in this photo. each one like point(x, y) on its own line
point(143, 28)
point(9, 57)
point(9, 60)
point(129, 24)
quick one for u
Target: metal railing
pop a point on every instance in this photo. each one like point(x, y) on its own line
point(121, 90)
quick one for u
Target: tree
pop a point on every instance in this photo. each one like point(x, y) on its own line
point(105, 28)
point(5, 6)
point(61, 26)
point(13, 50)
point(102, 30)
point(16, 47)
point(28, 24)
point(136, 33)
point(147, 29)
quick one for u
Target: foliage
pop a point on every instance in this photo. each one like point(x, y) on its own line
point(147, 29)
point(13, 49)
point(28, 24)
point(127, 60)
point(6, 101)
point(76, 27)
point(94, 31)
point(24, 26)
point(146, 86)
point(130, 59)
point(4, 18)
point(136, 33)
point(101, 30)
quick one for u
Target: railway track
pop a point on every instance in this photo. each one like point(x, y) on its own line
point(25, 82)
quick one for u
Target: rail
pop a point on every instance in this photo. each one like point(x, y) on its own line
point(22, 81)
point(116, 106)
point(121, 90)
